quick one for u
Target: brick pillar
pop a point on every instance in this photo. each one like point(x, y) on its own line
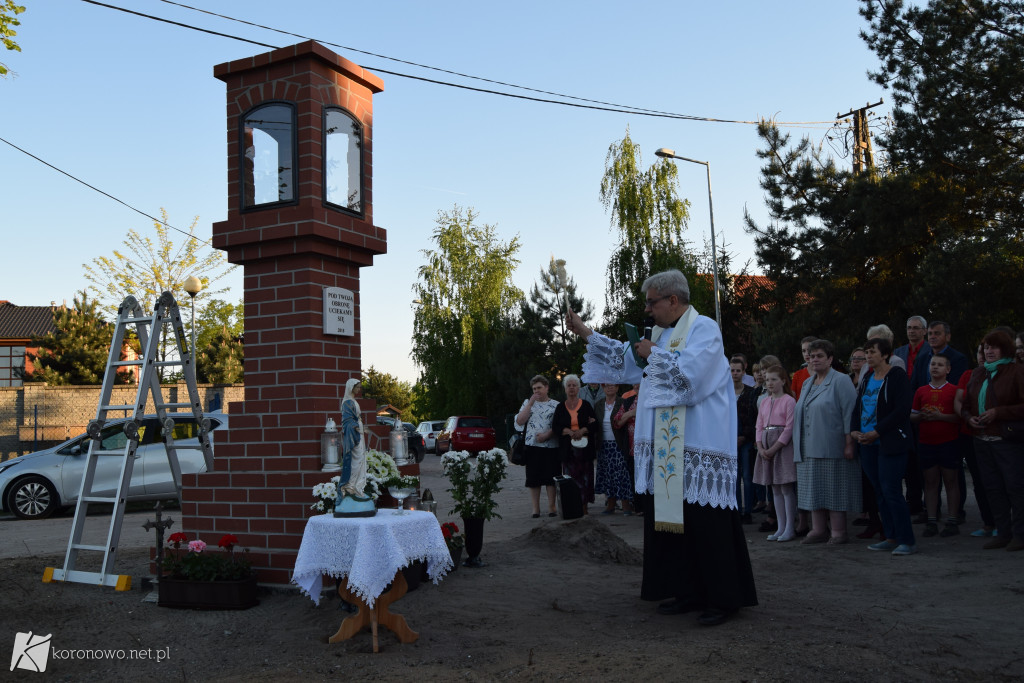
point(269, 459)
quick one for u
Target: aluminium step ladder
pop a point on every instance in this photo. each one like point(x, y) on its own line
point(149, 330)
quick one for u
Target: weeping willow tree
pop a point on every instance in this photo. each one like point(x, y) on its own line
point(649, 218)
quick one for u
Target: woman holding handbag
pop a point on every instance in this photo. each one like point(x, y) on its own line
point(613, 478)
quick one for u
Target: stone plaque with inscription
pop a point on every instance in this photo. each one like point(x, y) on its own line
point(339, 311)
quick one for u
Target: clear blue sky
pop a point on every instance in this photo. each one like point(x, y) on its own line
point(131, 106)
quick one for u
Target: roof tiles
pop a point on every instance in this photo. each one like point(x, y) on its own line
point(23, 322)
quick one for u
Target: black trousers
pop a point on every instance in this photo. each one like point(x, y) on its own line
point(708, 565)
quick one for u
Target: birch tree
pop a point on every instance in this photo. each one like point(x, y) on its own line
point(465, 296)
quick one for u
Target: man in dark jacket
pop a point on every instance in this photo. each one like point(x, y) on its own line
point(938, 342)
point(746, 411)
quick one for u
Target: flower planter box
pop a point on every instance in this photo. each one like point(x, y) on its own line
point(208, 595)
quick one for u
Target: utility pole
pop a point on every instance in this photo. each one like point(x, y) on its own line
point(863, 158)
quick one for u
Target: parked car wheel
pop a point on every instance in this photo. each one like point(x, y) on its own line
point(33, 498)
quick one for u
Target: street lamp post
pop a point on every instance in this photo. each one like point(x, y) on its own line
point(193, 286)
point(671, 154)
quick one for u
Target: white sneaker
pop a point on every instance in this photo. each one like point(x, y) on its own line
point(773, 537)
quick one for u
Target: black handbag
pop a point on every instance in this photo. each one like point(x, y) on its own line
point(517, 449)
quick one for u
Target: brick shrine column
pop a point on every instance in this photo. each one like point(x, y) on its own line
point(297, 224)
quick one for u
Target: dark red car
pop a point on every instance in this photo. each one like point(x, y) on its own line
point(466, 433)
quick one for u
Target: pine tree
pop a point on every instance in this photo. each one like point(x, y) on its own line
point(536, 341)
point(935, 232)
point(77, 351)
point(222, 360)
point(545, 310)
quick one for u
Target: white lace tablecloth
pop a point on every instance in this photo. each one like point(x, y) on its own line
point(368, 551)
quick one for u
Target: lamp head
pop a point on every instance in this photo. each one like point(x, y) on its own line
point(193, 286)
point(665, 152)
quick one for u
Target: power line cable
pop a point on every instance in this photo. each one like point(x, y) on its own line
point(609, 107)
point(105, 194)
point(625, 109)
point(447, 71)
point(685, 117)
point(177, 23)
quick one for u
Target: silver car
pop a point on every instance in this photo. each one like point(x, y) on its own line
point(429, 430)
point(36, 485)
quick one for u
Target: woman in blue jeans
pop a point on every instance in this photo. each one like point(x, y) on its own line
point(881, 425)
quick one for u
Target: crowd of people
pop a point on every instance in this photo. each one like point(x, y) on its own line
point(884, 439)
point(648, 427)
point(587, 437)
point(671, 429)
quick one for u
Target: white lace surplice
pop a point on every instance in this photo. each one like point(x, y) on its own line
point(696, 376)
point(368, 551)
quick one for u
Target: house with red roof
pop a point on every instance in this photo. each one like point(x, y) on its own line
point(18, 324)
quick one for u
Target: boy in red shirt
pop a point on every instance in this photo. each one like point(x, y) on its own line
point(939, 428)
point(801, 375)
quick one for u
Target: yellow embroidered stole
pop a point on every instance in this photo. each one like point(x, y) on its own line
point(668, 480)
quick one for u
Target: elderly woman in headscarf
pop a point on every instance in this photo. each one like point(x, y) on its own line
point(353, 469)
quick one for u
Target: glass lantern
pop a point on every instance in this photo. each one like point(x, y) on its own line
point(330, 448)
point(400, 445)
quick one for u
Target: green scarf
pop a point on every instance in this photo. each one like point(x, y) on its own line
point(991, 369)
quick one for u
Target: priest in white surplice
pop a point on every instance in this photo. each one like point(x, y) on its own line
point(695, 552)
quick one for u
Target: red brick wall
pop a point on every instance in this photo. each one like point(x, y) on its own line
point(294, 374)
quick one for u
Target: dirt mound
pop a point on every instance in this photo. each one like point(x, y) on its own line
point(584, 537)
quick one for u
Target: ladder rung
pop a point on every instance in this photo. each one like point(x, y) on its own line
point(83, 546)
point(99, 499)
point(121, 363)
point(130, 407)
point(175, 405)
point(115, 581)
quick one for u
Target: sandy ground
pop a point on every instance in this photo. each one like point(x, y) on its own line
point(559, 600)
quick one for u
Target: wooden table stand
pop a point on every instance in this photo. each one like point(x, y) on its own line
point(378, 614)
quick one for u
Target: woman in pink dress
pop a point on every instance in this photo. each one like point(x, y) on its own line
point(774, 464)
